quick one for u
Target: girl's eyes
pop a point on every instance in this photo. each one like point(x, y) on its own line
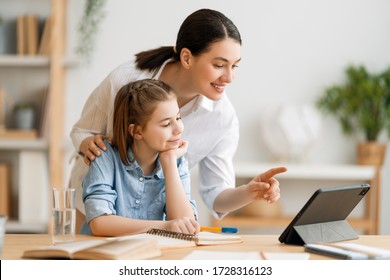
point(169, 123)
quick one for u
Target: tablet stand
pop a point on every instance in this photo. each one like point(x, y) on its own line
point(321, 232)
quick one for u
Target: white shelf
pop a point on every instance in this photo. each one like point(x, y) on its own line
point(24, 61)
point(22, 144)
point(308, 171)
point(15, 226)
point(12, 60)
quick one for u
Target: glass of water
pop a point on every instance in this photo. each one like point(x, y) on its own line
point(3, 220)
point(64, 215)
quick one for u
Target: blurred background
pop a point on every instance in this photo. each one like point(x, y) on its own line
point(292, 51)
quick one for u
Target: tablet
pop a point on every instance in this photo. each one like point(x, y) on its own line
point(322, 218)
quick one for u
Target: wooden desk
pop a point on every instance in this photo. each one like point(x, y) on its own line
point(15, 244)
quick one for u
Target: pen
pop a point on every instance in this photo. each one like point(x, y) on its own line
point(219, 229)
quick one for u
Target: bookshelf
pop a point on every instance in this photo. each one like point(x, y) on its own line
point(36, 163)
point(306, 178)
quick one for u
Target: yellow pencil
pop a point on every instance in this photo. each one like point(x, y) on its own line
point(219, 229)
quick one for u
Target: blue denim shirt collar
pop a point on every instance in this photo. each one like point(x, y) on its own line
point(158, 172)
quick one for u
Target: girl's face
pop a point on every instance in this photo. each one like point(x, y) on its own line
point(163, 130)
point(211, 72)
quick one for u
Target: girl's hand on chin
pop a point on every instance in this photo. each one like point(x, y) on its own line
point(178, 152)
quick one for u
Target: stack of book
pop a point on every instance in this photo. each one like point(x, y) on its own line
point(29, 41)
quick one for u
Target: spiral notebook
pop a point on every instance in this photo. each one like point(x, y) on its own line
point(170, 239)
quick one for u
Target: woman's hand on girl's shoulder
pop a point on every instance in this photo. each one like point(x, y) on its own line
point(93, 145)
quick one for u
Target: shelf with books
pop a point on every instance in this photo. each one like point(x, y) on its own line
point(27, 76)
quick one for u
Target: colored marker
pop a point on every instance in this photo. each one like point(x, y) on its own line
point(219, 229)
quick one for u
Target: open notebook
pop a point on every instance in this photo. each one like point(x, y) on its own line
point(170, 239)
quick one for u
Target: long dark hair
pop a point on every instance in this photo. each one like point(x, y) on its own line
point(134, 104)
point(198, 31)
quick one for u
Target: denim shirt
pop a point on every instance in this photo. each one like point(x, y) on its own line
point(113, 188)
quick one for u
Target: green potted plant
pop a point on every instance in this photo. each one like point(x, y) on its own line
point(362, 104)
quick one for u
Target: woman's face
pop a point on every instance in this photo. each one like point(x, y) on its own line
point(212, 71)
point(163, 130)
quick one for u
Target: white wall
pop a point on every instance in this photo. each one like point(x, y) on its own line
point(291, 51)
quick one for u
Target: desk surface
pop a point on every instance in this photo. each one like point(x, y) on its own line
point(15, 244)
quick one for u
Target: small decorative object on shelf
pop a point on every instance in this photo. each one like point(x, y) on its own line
point(290, 132)
point(24, 115)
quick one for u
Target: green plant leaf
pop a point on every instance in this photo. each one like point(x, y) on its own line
point(362, 103)
point(88, 27)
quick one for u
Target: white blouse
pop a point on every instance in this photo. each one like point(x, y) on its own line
point(210, 127)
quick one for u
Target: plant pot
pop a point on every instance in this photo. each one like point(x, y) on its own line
point(371, 153)
point(24, 118)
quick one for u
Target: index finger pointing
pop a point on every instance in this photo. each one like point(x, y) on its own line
point(271, 173)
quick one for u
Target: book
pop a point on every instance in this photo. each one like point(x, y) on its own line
point(45, 44)
point(27, 34)
point(31, 33)
point(170, 240)
point(44, 119)
point(21, 35)
point(348, 251)
point(98, 249)
point(5, 190)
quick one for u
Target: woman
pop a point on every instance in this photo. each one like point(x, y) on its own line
point(198, 68)
point(142, 181)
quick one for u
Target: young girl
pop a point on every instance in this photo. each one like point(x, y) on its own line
point(199, 68)
point(142, 181)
